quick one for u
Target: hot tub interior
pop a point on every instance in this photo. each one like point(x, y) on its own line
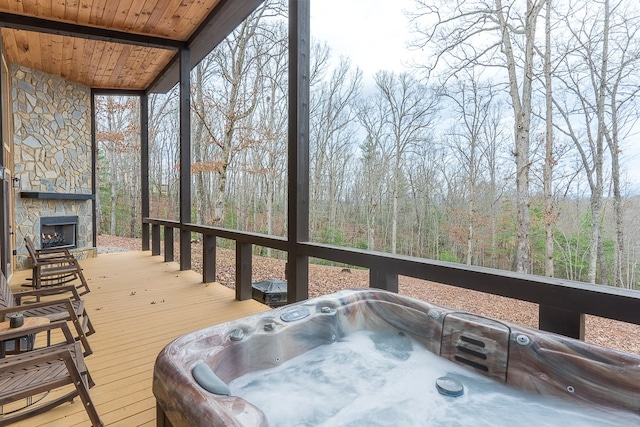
point(375, 358)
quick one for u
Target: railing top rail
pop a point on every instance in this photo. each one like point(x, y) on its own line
point(605, 301)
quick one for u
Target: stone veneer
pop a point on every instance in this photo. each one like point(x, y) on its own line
point(52, 153)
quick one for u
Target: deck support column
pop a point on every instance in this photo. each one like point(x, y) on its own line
point(382, 278)
point(155, 239)
point(168, 244)
point(243, 270)
point(559, 321)
point(297, 269)
point(208, 258)
point(144, 167)
point(185, 157)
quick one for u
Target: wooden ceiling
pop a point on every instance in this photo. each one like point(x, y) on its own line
point(109, 44)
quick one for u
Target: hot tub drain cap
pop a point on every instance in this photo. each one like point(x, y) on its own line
point(449, 386)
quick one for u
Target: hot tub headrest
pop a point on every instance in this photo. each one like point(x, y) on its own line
point(208, 380)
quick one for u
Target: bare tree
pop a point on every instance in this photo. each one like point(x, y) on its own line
point(409, 109)
point(597, 105)
point(332, 131)
point(471, 103)
point(491, 34)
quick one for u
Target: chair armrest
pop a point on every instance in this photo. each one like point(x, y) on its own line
point(46, 292)
point(53, 251)
point(30, 306)
point(43, 262)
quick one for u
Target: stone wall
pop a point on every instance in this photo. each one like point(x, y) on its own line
point(52, 153)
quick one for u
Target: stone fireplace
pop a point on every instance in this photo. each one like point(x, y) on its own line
point(53, 163)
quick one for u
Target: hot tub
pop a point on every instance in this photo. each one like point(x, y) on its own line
point(369, 357)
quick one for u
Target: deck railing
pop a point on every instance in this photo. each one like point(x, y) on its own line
point(562, 303)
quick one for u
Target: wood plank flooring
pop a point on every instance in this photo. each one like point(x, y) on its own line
point(138, 304)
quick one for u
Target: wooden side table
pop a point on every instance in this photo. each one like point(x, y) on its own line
point(29, 338)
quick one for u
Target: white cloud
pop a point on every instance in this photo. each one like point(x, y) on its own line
point(373, 33)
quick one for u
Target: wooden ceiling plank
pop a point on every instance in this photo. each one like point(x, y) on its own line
point(130, 69)
point(175, 21)
point(29, 7)
point(112, 61)
point(68, 8)
point(151, 26)
point(77, 48)
point(9, 38)
point(56, 55)
point(110, 12)
point(84, 11)
point(145, 13)
point(11, 49)
point(97, 10)
point(44, 8)
point(84, 62)
point(133, 15)
point(46, 47)
point(35, 47)
point(188, 17)
point(12, 6)
point(93, 63)
point(66, 71)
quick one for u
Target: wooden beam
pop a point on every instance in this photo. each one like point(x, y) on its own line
point(298, 150)
point(224, 18)
point(94, 174)
point(144, 167)
point(185, 157)
point(47, 26)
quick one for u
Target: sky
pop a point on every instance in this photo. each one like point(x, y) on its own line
point(375, 35)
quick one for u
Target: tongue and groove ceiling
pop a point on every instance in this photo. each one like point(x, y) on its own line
point(116, 44)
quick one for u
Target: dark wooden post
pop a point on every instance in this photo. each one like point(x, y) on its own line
point(208, 258)
point(155, 239)
point(382, 278)
point(94, 175)
point(168, 244)
point(563, 322)
point(243, 271)
point(185, 157)
point(144, 167)
point(298, 150)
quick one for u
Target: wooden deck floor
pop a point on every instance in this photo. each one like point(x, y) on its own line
point(138, 304)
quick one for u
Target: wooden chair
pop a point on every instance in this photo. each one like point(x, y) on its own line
point(54, 267)
point(43, 370)
point(70, 309)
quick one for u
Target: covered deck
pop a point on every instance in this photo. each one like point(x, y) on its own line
point(138, 304)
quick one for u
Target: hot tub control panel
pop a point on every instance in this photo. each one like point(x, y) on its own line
point(297, 314)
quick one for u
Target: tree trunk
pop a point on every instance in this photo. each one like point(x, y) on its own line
point(549, 208)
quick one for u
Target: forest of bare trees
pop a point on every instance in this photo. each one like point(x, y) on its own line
point(506, 144)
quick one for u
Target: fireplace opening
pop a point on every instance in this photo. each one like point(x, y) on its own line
point(58, 232)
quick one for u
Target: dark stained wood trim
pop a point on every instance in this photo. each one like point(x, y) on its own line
point(185, 157)
point(29, 23)
point(298, 150)
point(144, 168)
point(94, 172)
point(224, 18)
point(56, 196)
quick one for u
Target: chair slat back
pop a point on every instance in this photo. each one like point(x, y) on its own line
point(6, 296)
point(31, 248)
